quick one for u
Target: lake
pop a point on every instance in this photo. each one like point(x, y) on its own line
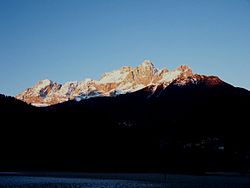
point(125, 181)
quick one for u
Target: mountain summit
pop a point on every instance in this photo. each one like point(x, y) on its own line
point(133, 119)
point(127, 79)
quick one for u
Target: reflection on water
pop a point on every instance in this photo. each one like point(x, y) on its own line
point(49, 182)
point(169, 181)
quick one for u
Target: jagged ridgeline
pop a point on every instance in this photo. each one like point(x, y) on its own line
point(121, 81)
point(132, 119)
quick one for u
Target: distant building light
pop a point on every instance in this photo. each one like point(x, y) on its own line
point(221, 148)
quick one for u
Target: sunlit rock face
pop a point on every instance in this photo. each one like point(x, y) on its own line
point(124, 80)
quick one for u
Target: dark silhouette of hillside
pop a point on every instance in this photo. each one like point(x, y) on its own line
point(190, 128)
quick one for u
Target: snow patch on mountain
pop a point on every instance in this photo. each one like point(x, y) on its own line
point(41, 85)
point(67, 88)
point(121, 81)
point(113, 77)
point(170, 76)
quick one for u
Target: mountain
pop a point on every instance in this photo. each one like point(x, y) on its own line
point(172, 121)
point(12, 105)
point(121, 81)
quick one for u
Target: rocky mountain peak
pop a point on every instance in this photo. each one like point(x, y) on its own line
point(126, 79)
point(147, 63)
point(43, 83)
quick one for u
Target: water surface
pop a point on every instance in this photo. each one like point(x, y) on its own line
point(126, 181)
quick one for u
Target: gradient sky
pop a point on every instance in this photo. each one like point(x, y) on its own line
point(65, 40)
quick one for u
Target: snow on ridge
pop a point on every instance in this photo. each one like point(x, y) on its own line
point(170, 76)
point(88, 95)
point(39, 104)
point(67, 88)
point(86, 80)
point(113, 77)
point(138, 87)
point(125, 86)
point(42, 84)
point(127, 79)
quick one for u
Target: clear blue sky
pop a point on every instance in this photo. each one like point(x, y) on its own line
point(67, 40)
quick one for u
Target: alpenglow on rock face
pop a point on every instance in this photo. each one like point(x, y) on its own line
point(124, 80)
